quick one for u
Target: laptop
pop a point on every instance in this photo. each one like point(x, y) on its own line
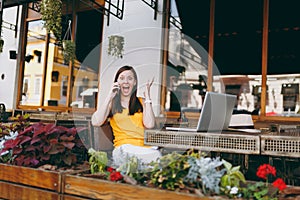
point(215, 113)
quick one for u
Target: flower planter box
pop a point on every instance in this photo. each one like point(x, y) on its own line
point(71, 197)
point(16, 191)
point(93, 188)
point(28, 183)
point(18, 182)
point(44, 179)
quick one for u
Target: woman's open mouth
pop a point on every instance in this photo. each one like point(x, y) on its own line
point(126, 89)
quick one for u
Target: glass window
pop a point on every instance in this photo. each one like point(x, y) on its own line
point(37, 85)
point(237, 52)
point(34, 63)
point(283, 59)
point(77, 80)
point(86, 68)
point(187, 58)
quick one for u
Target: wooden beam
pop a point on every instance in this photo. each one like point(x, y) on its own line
point(211, 45)
point(264, 61)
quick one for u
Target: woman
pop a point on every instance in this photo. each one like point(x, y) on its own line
point(129, 116)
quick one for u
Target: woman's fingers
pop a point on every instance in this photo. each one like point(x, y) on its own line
point(147, 91)
point(115, 87)
point(151, 81)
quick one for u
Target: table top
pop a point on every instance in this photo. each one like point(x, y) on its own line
point(228, 141)
point(266, 143)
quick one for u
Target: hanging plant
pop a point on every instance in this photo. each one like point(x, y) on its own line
point(69, 47)
point(1, 45)
point(116, 46)
point(51, 11)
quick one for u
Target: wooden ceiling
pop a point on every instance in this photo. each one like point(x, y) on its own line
point(11, 3)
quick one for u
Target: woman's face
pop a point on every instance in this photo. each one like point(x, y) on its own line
point(127, 82)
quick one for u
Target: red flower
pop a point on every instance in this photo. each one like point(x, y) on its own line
point(279, 183)
point(264, 170)
point(110, 169)
point(115, 176)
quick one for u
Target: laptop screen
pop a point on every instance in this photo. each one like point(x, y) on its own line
point(216, 111)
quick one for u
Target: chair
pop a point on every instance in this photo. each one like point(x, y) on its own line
point(103, 137)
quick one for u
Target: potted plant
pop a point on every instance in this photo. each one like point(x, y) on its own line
point(51, 11)
point(173, 176)
point(41, 144)
point(69, 46)
point(36, 157)
point(69, 51)
point(115, 46)
point(265, 190)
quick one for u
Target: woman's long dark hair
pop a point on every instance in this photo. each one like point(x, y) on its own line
point(134, 103)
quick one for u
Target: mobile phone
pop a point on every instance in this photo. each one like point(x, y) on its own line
point(116, 89)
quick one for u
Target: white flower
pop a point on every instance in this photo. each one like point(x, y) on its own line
point(4, 153)
point(234, 190)
point(2, 144)
point(12, 135)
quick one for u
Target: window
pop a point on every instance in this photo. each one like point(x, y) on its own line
point(238, 51)
point(33, 69)
point(37, 85)
point(48, 77)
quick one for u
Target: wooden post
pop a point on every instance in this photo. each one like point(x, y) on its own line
point(211, 46)
point(264, 61)
point(165, 50)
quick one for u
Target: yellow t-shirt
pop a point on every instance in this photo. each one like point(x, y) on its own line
point(128, 129)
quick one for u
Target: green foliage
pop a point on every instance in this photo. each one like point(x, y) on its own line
point(20, 122)
point(205, 173)
point(69, 51)
point(9, 131)
point(98, 161)
point(6, 158)
point(116, 46)
point(130, 166)
point(51, 11)
point(169, 171)
point(231, 179)
point(261, 190)
point(41, 144)
point(258, 191)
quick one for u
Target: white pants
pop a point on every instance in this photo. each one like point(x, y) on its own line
point(144, 154)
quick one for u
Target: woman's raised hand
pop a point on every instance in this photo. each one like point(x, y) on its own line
point(114, 90)
point(148, 86)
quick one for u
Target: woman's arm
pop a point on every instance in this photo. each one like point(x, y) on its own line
point(101, 114)
point(148, 114)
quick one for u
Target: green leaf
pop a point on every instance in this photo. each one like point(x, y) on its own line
point(236, 168)
point(227, 165)
point(225, 180)
point(239, 175)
